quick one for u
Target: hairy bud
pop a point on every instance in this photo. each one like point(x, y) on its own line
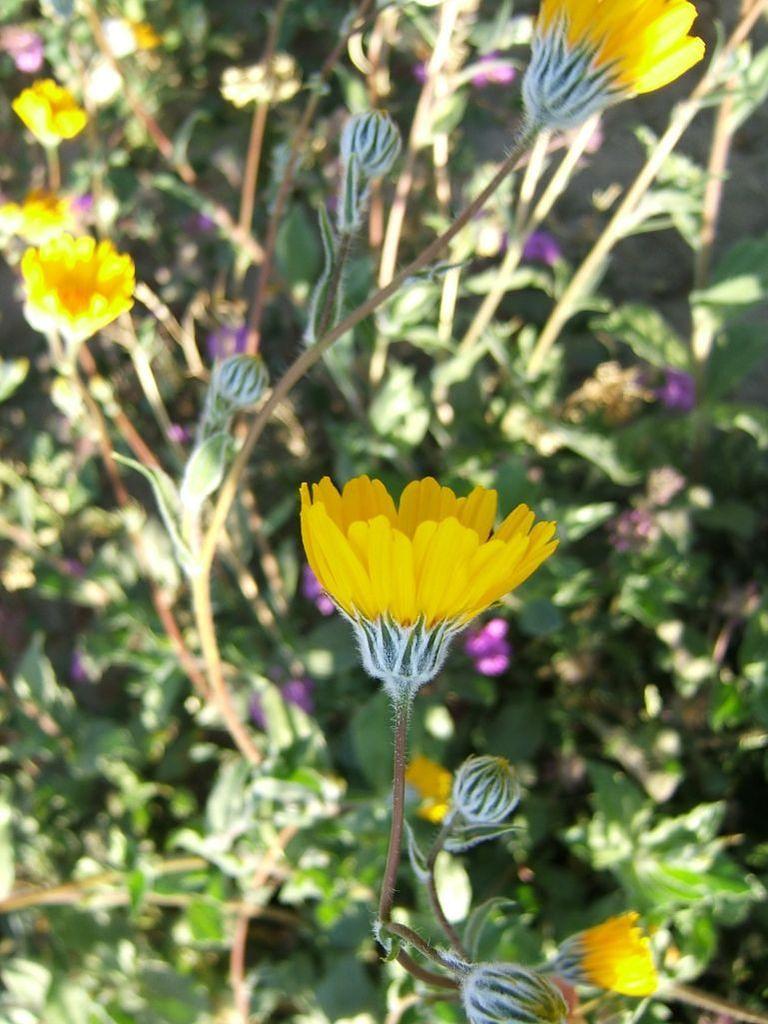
point(510, 994)
point(374, 140)
point(485, 790)
point(239, 381)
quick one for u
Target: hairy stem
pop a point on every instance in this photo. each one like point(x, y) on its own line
point(388, 884)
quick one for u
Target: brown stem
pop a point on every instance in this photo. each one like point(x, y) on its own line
point(286, 184)
point(437, 908)
point(160, 600)
point(389, 882)
point(201, 602)
point(705, 1001)
point(258, 125)
point(311, 355)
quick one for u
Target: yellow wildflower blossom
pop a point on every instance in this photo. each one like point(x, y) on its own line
point(589, 54)
point(410, 577)
point(41, 216)
point(614, 955)
point(50, 112)
point(76, 286)
point(145, 35)
point(433, 784)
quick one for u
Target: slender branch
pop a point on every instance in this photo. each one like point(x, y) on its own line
point(258, 125)
point(286, 184)
point(201, 603)
point(705, 1001)
point(681, 119)
point(389, 881)
point(437, 907)
point(307, 359)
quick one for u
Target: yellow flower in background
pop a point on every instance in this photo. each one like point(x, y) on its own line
point(145, 35)
point(41, 216)
point(589, 54)
point(50, 112)
point(433, 784)
point(410, 577)
point(76, 286)
point(614, 955)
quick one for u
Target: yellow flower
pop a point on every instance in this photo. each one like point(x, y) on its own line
point(614, 955)
point(589, 54)
point(409, 578)
point(433, 783)
point(145, 35)
point(76, 286)
point(41, 216)
point(50, 112)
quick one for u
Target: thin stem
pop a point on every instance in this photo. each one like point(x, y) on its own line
point(342, 255)
point(258, 125)
point(437, 908)
point(681, 119)
point(389, 881)
point(307, 359)
point(705, 1001)
point(54, 167)
point(201, 602)
point(286, 184)
point(524, 226)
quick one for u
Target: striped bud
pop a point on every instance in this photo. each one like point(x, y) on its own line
point(485, 790)
point(510, 994)
point(239, 381)
point(374, 140)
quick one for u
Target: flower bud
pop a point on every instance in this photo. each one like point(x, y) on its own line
point(508, 993)
point(239, 381)
point(485, 790)
point(374, 140)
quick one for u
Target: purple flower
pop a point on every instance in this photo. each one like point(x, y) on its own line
point(74, 567)
point(491, 70)
point(678, 391)
point(633, 529)
point(489, 648)
point(24, 47)
point(227, 340)
point(83, 204)
point(541, 247)
point(78, 670)
point(420, 71)
point(312, 589)
point(179, 434)
point(299, 692)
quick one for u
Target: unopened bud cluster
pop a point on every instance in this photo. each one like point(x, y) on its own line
point(509, 993)
point(370, 144)
point(485, 790)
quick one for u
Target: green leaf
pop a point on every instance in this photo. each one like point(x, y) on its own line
point(298, 251)
point(169, 504)
point(648, 335)
point(736, 352)
point(399, 410)
point(13, 373)
point(739, 281)
point(205, 470)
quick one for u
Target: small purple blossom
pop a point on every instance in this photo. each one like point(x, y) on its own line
point(678, 391)
point(24, 47)
point(179, 434)
point(74, 567)
point(78, 670)
point(83, 204)
point(298, 692)
point(420, 71)
point(312, 589)
point(489, 648)
point(227, 340)
point(541, 247)
point(633, 529)
point(492, 70)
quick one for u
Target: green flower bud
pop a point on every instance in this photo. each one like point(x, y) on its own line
point(374, 140)
point(485, 790)
point(239, 381)
point(510, 994)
